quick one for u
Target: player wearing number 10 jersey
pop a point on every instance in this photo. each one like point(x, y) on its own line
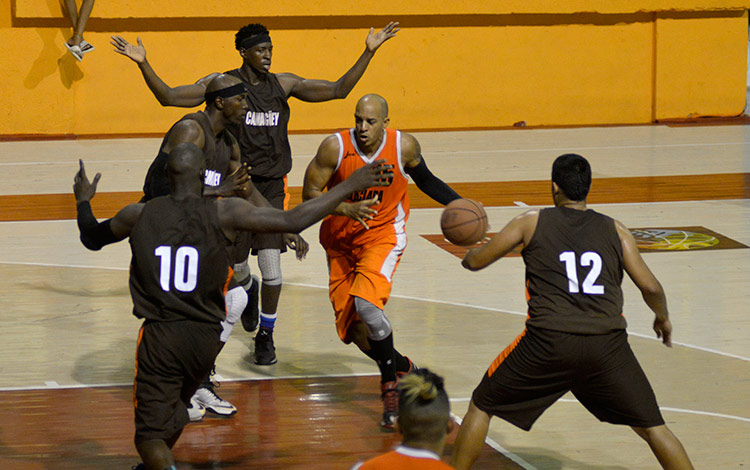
point(575, 337)
point(178, 278)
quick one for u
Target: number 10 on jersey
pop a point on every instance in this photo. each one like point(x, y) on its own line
point(185, 268)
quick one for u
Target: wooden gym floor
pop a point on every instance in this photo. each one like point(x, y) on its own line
point(67, 338)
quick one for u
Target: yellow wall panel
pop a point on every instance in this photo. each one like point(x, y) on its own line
point(542, 69)
point(273, 8)
point(692, 82)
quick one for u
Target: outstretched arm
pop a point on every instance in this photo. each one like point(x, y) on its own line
point(324, 90)
point(644, 279)
point(416, 167)
point(185, 96)
point(95, 235)
point(516, 232)
point(238, 214)
point(319, 173)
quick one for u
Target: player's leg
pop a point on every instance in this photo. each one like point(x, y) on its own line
point(156, 454)
point(205, 397)
point(470, 439)
point(268, 248)
point(666, 447)
point(250, 283)
point(269, 263)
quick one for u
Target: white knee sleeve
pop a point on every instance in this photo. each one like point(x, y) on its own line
point(269, 262)
point(236, 300)
point(378, 326)
point(241, 271)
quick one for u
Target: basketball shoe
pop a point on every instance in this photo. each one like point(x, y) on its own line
point(412, 367)
point(389, 395)
point(206, 397)
point(196, 411)
point(265, 351)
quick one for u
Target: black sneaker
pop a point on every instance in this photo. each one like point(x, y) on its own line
point(389, 395)
point(265, 352)
point(140, 466)
point(251, 315)
point(412, 368)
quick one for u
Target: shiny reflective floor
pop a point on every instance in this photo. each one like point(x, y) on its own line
point(68, 338)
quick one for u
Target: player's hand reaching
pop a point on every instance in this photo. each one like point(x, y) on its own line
point(82, 188)
point(376, 173)
point(297, 243)
point(360, 211)
point(375, 40)
point(135, 53)
point(663, 329)
point(236, 183)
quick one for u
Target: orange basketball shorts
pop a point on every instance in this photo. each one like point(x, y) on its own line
point(365, 271)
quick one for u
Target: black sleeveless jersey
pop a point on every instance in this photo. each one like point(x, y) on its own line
point(574, 270)
point(263, 136)
point(216, 149)
point(179, 267)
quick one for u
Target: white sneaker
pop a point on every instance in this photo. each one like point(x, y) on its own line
point(208, 399)
point(196, 411)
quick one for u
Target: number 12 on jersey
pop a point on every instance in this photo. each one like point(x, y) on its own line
point(589, 258)
point(185, 268)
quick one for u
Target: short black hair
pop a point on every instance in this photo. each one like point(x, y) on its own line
point(572, 174)
point(248, 31)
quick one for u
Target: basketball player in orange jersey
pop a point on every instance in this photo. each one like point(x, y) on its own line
point(364, 244)
point(424, 420)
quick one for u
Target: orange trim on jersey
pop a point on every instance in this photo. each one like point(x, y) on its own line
point(506, 352)
point(528, 296)
point(138, 344)
point(287, 196)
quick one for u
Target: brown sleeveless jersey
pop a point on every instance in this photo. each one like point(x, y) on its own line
point(574, 269)
point(216, 149)
point(179, 267)
point(264, 135)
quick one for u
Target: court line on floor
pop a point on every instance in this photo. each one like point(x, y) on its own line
point(421, 299)
point(500, 449)
point(663, 408)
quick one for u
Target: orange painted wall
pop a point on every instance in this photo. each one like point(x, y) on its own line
point(453, 65)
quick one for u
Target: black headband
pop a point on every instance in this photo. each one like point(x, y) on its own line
point(225, 92)
point(255, 40)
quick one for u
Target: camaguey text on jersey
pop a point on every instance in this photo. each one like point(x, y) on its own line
point(268, 118)
point(366, 194)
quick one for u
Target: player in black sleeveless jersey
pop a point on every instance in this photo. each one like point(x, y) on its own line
point(264, 143)
point(178, 278)
point(226, 105)
point(575, 337)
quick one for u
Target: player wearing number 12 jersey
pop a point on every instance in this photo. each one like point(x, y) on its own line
point(575, 337)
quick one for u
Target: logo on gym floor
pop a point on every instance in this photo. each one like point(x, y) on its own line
point(649, 240)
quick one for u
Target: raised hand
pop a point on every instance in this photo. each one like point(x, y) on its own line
point(82, 188)
point(375, 40)
point(376, 173)
point(135, 53)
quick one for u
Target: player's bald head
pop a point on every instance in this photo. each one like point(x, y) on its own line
point(222, 81)
point(375, 103)
point(185, 159)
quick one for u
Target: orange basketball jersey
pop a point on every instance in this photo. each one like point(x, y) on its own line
point(393, 205)
point(405, 458)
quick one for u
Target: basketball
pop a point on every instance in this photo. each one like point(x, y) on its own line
point(464, 222)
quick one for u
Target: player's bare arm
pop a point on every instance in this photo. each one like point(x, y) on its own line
point(319, 173)
point(416, 166)
point(518, 231)
point(323, 90)
point(243, 216)
point(186, 130)
point(185, 96)
point(650, 287)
